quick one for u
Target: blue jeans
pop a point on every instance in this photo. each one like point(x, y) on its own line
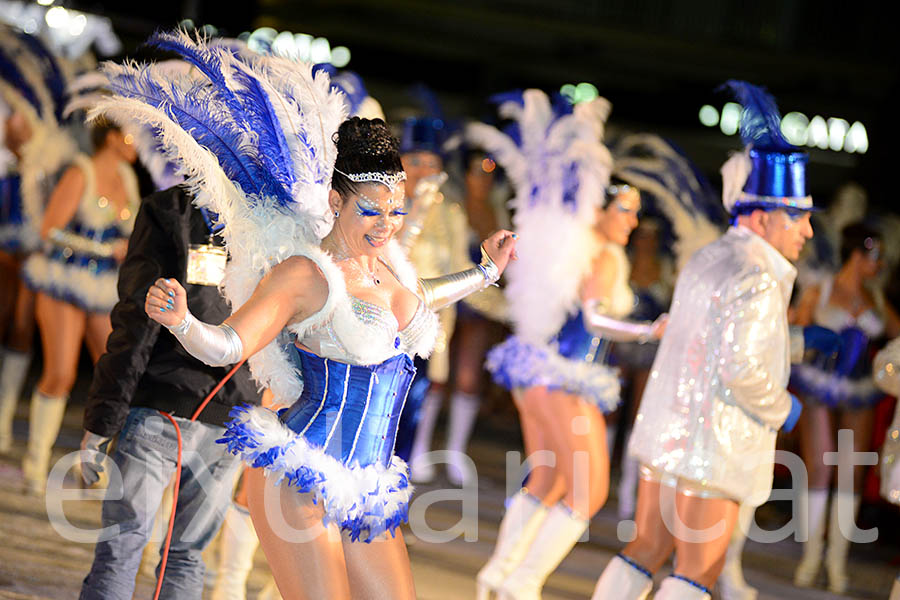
point(145, 456)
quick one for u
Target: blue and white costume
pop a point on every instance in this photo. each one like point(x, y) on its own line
point(77, 263)
point(847, 381)
point(574, 360)
point(337, 439)
point(560, 171)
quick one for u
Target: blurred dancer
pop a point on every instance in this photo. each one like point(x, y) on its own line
point(86, 227)
point(32, 85)
point(567, 295)
point(840, 395)
point(717, 393)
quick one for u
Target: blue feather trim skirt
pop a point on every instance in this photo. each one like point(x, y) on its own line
point(86, 280)
point(518, 364)
point(834, 390)
point(336, 442)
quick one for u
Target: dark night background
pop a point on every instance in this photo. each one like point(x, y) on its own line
point(656, 61)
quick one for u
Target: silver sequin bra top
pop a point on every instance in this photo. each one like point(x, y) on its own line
point(363, 333)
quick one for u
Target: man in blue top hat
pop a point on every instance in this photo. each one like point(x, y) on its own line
point(717, 394)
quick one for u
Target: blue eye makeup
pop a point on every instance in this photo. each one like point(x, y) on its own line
point(366, 212)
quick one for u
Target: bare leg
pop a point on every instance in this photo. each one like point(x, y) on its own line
point(306, 557)
point(655, 541)
point(544, 482)
point(380, 569)
point(702, 561)
point(95, 335)
point(21, 330)
point(816, 438)
point(62, 330)
point(860, 422)
point(576, 431)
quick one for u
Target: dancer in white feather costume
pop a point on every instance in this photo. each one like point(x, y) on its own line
point(310, 209)
point(567, 296)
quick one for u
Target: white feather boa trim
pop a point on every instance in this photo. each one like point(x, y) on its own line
point(518, 364)
point(364, 501)
point(832, 389)
point(89, 290)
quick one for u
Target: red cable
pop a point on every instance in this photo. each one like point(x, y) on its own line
point(165, 553)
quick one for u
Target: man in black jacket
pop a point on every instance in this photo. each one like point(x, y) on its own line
point(145, 371)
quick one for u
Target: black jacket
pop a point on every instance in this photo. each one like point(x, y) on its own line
point(144, 365)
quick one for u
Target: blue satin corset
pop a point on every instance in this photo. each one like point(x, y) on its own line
point(351, 410)
point(577, 343)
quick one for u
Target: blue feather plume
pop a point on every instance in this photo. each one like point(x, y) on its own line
point(197, 112)
point(249, 105)
point(10, 72)
point(51, 72)
point(760, 119)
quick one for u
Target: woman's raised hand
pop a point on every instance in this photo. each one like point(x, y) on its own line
point(501, 247)
point(166, 302)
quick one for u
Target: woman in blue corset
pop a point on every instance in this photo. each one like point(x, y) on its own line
point(568, 295)
point(326, 309)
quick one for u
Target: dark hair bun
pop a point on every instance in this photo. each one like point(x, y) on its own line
point(364, 146)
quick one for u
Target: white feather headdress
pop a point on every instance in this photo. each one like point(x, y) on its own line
point(560, 171)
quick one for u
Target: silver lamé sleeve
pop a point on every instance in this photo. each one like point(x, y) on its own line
point(598, 322)
point(215, 345)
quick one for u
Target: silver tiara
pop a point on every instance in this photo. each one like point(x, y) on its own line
point(391, 180)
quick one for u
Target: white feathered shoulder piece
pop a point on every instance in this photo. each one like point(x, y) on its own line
point(560, 170)
point(253, 138)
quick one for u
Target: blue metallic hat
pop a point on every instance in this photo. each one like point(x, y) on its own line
point(423, 134)
point(777, 168)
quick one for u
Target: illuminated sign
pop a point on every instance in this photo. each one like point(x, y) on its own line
point(832, 133)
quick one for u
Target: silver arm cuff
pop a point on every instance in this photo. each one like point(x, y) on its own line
point(439, 292)
point(618, 330)
point(217, 346)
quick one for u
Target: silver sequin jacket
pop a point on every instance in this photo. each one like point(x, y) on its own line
point(717, 391)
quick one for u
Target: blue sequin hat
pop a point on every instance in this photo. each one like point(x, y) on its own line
point(771, 172)
point(423, 134)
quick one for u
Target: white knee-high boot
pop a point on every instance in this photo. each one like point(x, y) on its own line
point(12, 378)
point(812, 526)
point(560, 531)
point(732, 585)
point(838, 543)
point(428, 414)
point(681, 588)
point(45, 419)
point(463, 412)
point(524, 516)
point(623, 579)
point(236, 550)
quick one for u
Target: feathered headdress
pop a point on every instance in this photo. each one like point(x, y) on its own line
point(253, 138)
point(33, 83)
point(359, 102)
point(560, 170)
point(675, 187)
point(770, 172)
point(89, 89)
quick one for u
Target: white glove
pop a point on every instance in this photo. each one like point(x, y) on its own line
point(93, 451)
